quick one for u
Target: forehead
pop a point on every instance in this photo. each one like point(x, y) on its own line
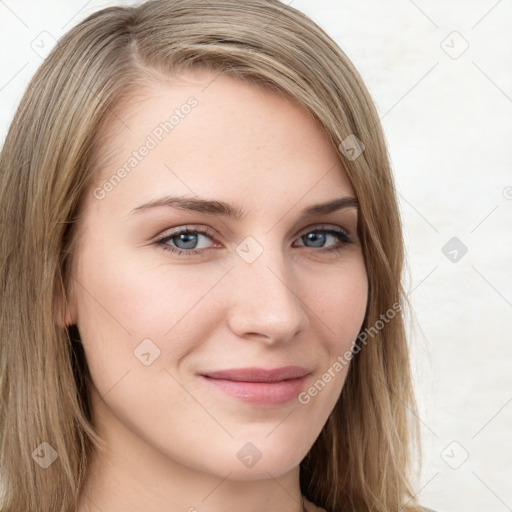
point(214, 135)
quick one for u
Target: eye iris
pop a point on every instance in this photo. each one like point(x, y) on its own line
point(188, 238)
point(316, 238)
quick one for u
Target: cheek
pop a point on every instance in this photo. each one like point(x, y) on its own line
point(127, 300)
point(339, 309)
point(339, 304)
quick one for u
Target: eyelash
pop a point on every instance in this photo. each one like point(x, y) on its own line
point(343, 237)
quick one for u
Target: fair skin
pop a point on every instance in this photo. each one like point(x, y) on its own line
point(172, 438)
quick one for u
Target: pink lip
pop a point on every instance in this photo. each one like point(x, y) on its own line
point(258, 385)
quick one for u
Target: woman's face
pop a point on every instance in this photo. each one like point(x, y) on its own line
point(273, 287)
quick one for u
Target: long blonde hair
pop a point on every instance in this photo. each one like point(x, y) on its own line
point(362, 458)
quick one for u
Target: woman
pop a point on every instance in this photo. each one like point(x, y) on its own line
point(202, 305)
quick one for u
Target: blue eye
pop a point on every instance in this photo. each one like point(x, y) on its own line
point(187, 237)
point(320, 235)
point(188, 240)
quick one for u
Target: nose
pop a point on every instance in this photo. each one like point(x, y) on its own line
point(266, 301)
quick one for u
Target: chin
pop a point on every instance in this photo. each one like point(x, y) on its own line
point(248, 460)
point(261, 457)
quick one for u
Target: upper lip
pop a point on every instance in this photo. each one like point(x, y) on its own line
point(259, 374)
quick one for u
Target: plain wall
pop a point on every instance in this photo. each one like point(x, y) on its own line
point(440, 74)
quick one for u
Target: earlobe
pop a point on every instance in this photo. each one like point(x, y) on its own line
point(68, 319)
point(65, 310)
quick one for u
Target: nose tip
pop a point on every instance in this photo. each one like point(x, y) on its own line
point(266, 305)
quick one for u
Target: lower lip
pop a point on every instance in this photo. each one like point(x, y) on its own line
point(260, 393)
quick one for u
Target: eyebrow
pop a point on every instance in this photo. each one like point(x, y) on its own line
point(227, 210)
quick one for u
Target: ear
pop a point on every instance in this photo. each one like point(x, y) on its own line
point(65, 310)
